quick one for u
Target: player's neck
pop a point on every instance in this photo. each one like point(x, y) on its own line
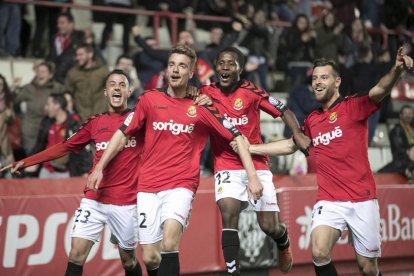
point(117, 110)
point(328, 104)
point(178, 92)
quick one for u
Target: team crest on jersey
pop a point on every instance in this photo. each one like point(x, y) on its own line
point(192, 111)
point(129, 119)
point(238, 104)
point(333, 117)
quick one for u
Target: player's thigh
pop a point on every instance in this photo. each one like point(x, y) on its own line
point(79, 250)
point(172, 232)
point(123, 223)
point(230, 209)
point(268, 201)
point(149, 218)
point(328, 224)
point(231, 184)
point(176, 204)
point(89, 220)
point(364, 222)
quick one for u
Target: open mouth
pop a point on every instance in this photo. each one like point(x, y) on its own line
point(175, 77)
point(116, 97)
point(224, 77)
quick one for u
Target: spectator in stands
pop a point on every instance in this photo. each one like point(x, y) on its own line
point(409, 170)
point(32, 98)
point(296, 49)
point(62, 50)
point(329, 37)
point(10, 25)
point(145, 65)
point(126, 64)
point(127, 20)
point(86, 81)
point(345, 10)
point(401, 139)
point(356, 34)
point(55, 128)
point(45, 19)
point(257, 42)
point(7, 117)
point(90, 39)
point(365, 73)
point(70, 107)
point(301, 101)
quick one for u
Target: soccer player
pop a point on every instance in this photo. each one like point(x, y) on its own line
point(241, 102)
point(115, 201)
point(347, 196)
point(175, 133)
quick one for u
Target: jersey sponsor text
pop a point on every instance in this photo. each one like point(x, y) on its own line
point(327, 137)
point(175, 128)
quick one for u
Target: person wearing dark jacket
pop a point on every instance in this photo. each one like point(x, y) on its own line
point(56, 127)
point(401, 139)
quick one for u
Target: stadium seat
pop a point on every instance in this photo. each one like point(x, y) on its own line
point(6, 70)
point(23, 68)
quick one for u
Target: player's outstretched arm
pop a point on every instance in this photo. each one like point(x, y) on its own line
point(302, 141)
point(116, 144)
point(384, 86)
point(51, 153)
point(255, 188)
point(280, 147)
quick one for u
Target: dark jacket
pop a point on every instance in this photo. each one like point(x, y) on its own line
point(78, 164)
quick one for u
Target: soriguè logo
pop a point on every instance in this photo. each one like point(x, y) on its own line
point(131, 143)
point(326, 138)
point(175, 128)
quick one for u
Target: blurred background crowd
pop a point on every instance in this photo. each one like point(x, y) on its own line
point(71, 49)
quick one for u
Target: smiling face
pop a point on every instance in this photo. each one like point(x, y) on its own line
point(179, 71)
point(228, 70)
point(325, 85)
point(117, 90)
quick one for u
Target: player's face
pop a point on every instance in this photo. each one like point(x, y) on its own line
point(324, 83)
point(228, 70)
point(179, 71)
point(117, 91)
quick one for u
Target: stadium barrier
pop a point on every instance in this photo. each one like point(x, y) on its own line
point(36, 217)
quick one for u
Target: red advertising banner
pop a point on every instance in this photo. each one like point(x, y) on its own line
point(36, 216)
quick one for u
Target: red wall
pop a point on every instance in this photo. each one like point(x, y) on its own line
point(35, 219)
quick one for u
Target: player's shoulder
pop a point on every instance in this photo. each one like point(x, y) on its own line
point(250, 87)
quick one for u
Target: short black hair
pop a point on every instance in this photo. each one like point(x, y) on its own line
point(324, 62)
point(240, 55)
point(68, 16)
point(121, 57)
point(405, 106)
point(117, 72)
point(59, 98)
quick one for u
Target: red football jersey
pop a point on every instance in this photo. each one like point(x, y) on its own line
point(175, 134)
point(242, 109)
point(119, 181)
point(340, 140)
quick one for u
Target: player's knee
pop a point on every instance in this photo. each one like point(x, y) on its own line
point(169, 245)
point(368, 269)
point(320, 254)
point(128, 260)
point(151, 259)
point(77, 257)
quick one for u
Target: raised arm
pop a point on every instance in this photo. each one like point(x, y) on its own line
point(116, 144)
point(384, 86)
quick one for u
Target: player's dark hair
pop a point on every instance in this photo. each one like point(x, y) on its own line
point(117, 72)
point(324, 62)
point(59, 98)
point(184, 50)
point(240, 56)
